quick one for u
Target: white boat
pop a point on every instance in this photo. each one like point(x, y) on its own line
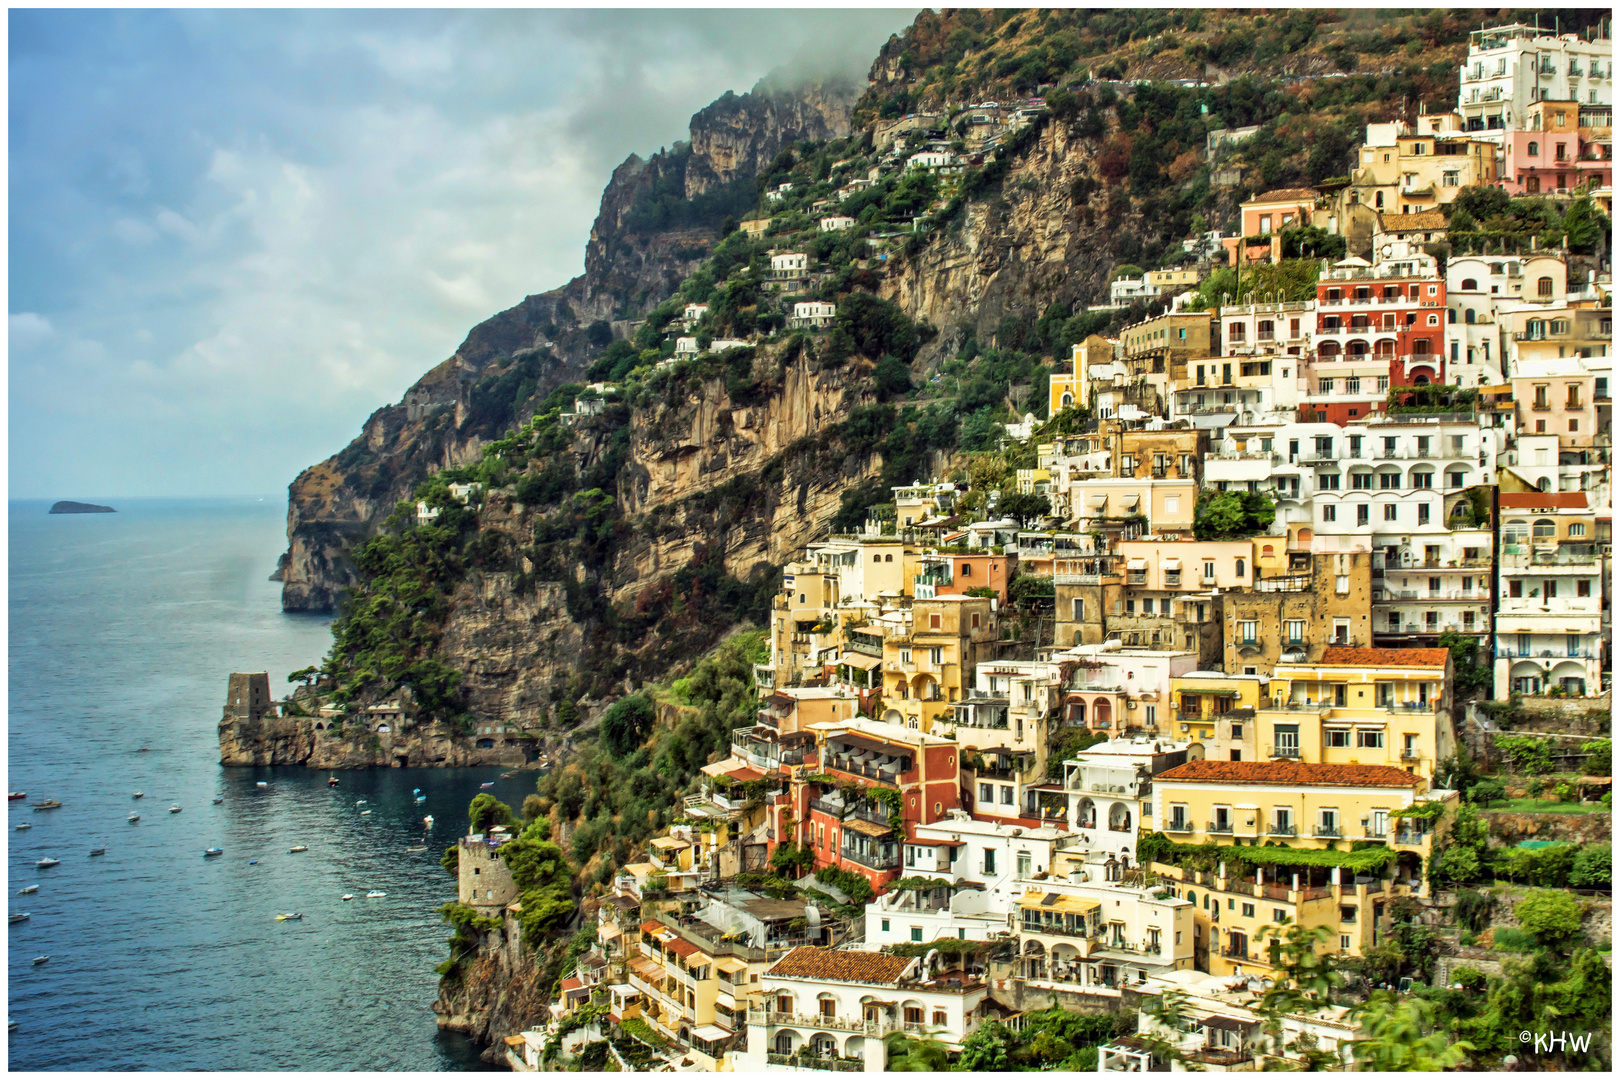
point(218, 799)
point(348, 896)
point(297, 848)
point(363, 813)
point(374, 894)
point(24, 826)
point(26, 889)
point(428, 821)
point(359, 802)
point(38, 960)
point(213, 851)
point(137, 794)
point(47, 862)
point(133, 818)
point(421, 798)
point(19, 917)
point(289, 915)
point(174, 809)
point(264, 783)
point(419, 847)
point(487, 784)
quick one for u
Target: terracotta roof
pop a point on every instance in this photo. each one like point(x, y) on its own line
point(1343, 656)
point(1290, 772)
point(680, 947)
point(745, 774)
point(1426, 219)
point(652, 927)
point(1524, 500)
point(1303, 194)
point(844, 965)
point(572, 983)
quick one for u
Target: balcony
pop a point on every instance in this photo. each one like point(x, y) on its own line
point(873, 861)
point(1178, 826)
point(764, 1017)
point(1059, 929)
point(1279, 829)
point(1327, 832)
point(1237, 954)
point(1220, 827)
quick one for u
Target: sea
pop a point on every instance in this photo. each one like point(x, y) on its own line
point(123, 630)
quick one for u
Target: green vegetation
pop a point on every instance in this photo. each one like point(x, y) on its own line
point(1489, 220)
point(1241, 859)
point(1227, 515)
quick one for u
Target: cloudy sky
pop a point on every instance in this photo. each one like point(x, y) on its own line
point(234, 234)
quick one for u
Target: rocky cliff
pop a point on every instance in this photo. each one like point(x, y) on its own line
point(632, 262)
point(500, 990)
point(318, 743)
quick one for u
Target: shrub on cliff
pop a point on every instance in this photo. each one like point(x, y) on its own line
point(486, 811)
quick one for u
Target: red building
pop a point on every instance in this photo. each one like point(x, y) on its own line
point(873, 777)
point(1377, 327)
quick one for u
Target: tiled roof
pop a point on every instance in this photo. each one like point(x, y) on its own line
point(1343, 656)
point(652, 927)
point(1426, 219)
point(1289, 773)
point(1303, 194)
point(1524, 500)
point(844, 965)
point(681, 947)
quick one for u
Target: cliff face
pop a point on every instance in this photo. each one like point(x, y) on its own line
point(313, 742)
point(630, 267)
point(499, 991)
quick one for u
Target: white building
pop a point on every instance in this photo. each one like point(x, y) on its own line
point(831, 1008)
point(933, 159)
point(813, 314)
point(1508, 67)
point(836, 223)
point(1101, 937)
point(685, 347)
point(1549, 616)
point(693, 312)
point(778, 193)
point(1122, 291)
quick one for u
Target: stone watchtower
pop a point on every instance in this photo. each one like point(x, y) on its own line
point(248, 696)
point(483, 881)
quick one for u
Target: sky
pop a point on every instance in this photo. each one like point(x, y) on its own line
point(235, 234)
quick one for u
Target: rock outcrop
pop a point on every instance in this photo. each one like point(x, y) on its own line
point(498, 991)
point(316, 743)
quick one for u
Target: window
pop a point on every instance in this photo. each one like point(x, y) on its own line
point(1248, 631)
point(1363, 514)
point(1296, 631)
point(1369, 739)
point(916, 935)
point(933, 622)
point(1361, 481)
point(1023, 864)
point(1423, 513)
point(1248, 911)
point(1390, 512)
point(1344, 941)
point(1006, 795)
point(1544, 287)
point(989, 860)
point(1336, 737)
point(987, 793)
point(1209, 570)
point(1330, 513)
point(885, 926)
point(1079, 610)
point(1239, 568)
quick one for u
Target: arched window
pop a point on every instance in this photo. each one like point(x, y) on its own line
point(1470, 285)
point(1533, 150)
point(1451, 315)
point(1544, 526)
point(1468, 316)
point(1544, 287)
point(1544, 484)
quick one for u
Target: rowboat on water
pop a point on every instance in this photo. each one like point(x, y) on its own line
point(487, 784)
point(364, 812)
point(175, 809)
point(218, 799)
point(19, 917)
point(26, 889)
point(38, 960)
point(137, 794)
point(264, 783)
point(13, 796)
point(348, 896)
point(24, 826)
point(98, 851)
point(297, 848)
point(48, 862)
point(133, 818)
point(213, 851)
point(289, 915)
point(418, 847)
point(374, 894)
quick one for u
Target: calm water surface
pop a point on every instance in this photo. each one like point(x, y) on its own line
point(123, 628)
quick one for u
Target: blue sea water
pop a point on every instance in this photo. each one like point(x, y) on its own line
point(123, 628)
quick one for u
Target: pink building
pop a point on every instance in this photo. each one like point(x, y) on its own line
point(1564, 145)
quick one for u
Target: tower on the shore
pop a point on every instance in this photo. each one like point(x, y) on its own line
point(248, 696)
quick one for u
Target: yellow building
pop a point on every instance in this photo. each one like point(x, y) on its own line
point(1407, 172)
point(1070, 388)
point(932, 665)
point(1290, 826)
point(1352, 707)
point(1296, 615)
point(696, 987)
point(1208, 701)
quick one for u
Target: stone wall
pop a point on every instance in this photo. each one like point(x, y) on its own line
point(1509, 827)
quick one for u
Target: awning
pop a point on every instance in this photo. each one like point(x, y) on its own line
point(1136, 564)
point(731, 963)
point(1170, 564)
point(1099, 500)
point(646, 969)
point(710, 1033)
point(855, 660)
point(1227, 1023)
point(1130, 500)
point(608, 931)
point(719, 768)
point(1077, 905)
point(867, 828)
point(863, 743)
point(515, 1040)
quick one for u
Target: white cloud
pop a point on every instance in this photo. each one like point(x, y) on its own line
point(29, 331)
point(136, 233)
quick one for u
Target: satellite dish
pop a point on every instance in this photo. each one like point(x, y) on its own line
point(1387, 249)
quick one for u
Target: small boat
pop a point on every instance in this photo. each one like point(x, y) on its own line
point(24, 826)
point(331, 781)
point(264, 783)
point(428, 821)
point(26, 889)
point(348, 896)
point(97, 851)
point(418, 847)
point(359, 802)
point(144, 750)
point(364, 812)
point(175, 809)
point(133, 818)
point(487, 784)
point(137, 794)
point(48, 862)
point(253, 862)
point(289, 915)
point(416, 791)
point(11, 1025)
point(218, 799)
point(297, 847)
point(38, 960)
point(213, 851)
point(13, 796)
point(48, 804)
point(374, 894)
point(19, 917)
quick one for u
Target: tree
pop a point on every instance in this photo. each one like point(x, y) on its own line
point(1594, 867)
point(1552, 917)
point(893, 378)
point(486, 811)
point(1224, 515)
point(1486, 792)
point(545, 881)
point(1459, 863)
point(626, 724)
point(1401, 1036)
point(907, 1053)
point(987, 1049)
point(1024, 506)
point(305, 675)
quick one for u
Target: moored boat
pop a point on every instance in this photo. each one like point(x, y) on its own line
point(137, 794)
point(174, 809)
point(287, 915)
point(213, 851)
point(46, 804)
point(487, 784)
point(40, 959)
point(264, 783)
point(297, 847)
point(98, 851)
point(26, 889)
point(13, 796)
point(48, 862)
point(133, 818)
point(418, 847)
point(19, 917)
point(374, 894)
point(218, 799)
point(348, 896)
point(332, 781)
point(24, 826)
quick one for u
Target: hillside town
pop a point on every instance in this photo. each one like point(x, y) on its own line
point(1162, 704)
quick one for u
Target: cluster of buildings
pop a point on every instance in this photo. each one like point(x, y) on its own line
point(936, 818)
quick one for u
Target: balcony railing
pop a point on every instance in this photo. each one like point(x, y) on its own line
point(816, 1061)
point(873, 862)
point(1330, 832)
point(1220, 826)
point(765, 1017)
point(1237, 954)
point(1176, 826)
point(1278, 829)
point(1080, 930)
